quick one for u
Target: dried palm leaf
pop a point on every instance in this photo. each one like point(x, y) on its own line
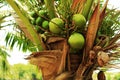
point(77, 6)
point(64, 76)
point(52, 62)
point(103, 12)
point(47, 61)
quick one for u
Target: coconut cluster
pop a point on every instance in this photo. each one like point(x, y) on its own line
point(56, 25)
point(39, 19)
point(76, 39)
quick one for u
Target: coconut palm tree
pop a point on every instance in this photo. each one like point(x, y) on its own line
point(99, 31)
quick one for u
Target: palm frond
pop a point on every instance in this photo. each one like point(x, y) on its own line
point(3, 53)
point(110, 24)
point(22, 42)
point(87, 8)
point(50, 8)
point(64, 11)
point(37, 40)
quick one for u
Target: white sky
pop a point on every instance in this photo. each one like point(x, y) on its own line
point(18, 56)
point(114, 4)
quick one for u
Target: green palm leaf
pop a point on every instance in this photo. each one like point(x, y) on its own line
point(22, 42)
point(37, 40)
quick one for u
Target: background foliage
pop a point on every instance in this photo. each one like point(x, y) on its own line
point(21, 72)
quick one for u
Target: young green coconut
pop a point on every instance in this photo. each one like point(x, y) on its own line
point(56, 25)
point(76, 40)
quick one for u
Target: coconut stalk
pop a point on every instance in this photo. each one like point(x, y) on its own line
point(51, 8)
point(87, 8)
point(36, 39)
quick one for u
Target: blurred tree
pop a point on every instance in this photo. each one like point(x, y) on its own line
point(4, 65)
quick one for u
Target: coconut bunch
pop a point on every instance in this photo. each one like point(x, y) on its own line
point(52, 20)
